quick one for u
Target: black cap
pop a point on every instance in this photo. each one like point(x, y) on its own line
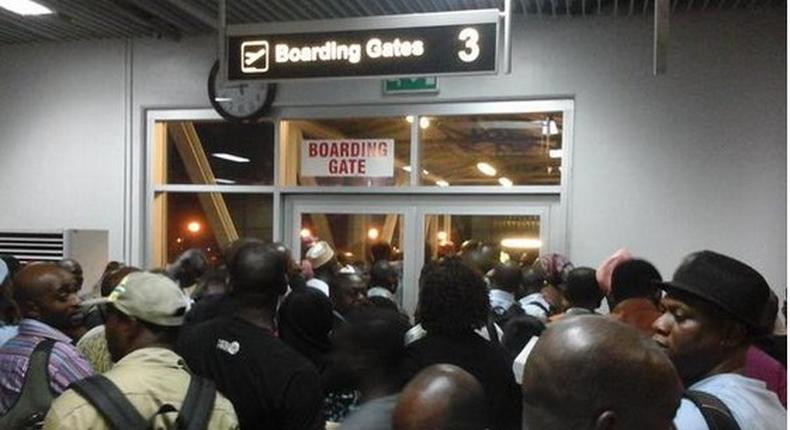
point(733, 286)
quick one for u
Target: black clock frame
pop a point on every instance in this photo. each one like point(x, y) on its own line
point(271, 90)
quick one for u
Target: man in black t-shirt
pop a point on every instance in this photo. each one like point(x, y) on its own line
point(270, 385)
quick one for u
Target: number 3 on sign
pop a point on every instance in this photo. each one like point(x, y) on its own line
point(471, 48)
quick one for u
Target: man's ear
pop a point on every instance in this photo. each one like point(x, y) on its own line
point(606, 421)
point(29, 309)
point(734, 335)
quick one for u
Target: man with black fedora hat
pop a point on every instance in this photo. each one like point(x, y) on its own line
point(711, 312)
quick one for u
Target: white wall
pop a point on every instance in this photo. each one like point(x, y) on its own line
point(61, 137)
point(663, 165)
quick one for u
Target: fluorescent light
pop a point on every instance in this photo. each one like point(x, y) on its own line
point(486, 169)
point(224, 181)
point(442, 183)
point(425, 122)
point(25, 7)
point(410, 118)
point(505, 182)
point(555, 153)
point(425, 172)
point(521, 243)
point(223, 99)
point(406, 168)
point(231, 157)
point(549, 127)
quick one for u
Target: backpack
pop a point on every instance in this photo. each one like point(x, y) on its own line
point(717, 415)
point(35, 398)
point(120, 414)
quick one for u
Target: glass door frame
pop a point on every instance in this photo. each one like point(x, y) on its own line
point(415, 208)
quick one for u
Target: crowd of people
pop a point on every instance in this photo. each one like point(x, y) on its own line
point(496, 342)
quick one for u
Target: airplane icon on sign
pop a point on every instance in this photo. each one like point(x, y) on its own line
point(251, 57)
point(255, 56)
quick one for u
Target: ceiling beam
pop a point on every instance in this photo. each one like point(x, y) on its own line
point(153, 23)
point(159, 11)
point(196, 12)
point(32, 30)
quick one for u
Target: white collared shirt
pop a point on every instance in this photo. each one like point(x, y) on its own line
point(501, 299)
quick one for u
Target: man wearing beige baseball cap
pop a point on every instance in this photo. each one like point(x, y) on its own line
point(143, 316)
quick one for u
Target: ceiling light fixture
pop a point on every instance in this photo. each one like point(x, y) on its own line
point(555, 153)
point(224, 181)
point(373, 233)
point(406, 168)
point(442, 236)
point(486, 169)
point(425, 122)
point(505, 182)
point(442, 183)
point(25, 7)
point(549, 127)
point(410, 118)
point(521, 243)
point(231, 157)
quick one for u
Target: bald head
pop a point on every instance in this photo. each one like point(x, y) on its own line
point(48, 293)
point(441, 397)
point(589, 372)
point(73, 266)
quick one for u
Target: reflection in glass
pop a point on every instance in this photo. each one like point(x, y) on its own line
point(497, 150)
point(218, 152)
point(516, 236)
point(209, 221)
point(296, 131)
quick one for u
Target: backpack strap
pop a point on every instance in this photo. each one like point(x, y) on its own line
point(35, 396)
point(717, 415)
point(541, 306)
point(198, 404)
point(493, 335)
point(111, 403)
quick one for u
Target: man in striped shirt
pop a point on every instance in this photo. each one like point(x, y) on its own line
point(47, 299)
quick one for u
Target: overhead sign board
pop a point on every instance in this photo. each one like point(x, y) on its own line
point(401, 45)
point(368, 158)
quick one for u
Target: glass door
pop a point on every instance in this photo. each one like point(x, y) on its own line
point(356, 228)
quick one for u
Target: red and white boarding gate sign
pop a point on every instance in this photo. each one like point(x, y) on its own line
point(348, 157)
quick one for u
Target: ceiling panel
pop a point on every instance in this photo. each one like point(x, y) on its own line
point(95, 19)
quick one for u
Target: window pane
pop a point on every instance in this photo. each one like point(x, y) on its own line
point(499, 150)
point(217, 152)
point(518, 236)
point(351, 235)
point(343, 143)
point(209, 221)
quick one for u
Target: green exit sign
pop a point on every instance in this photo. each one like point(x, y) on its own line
point(411, 85)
